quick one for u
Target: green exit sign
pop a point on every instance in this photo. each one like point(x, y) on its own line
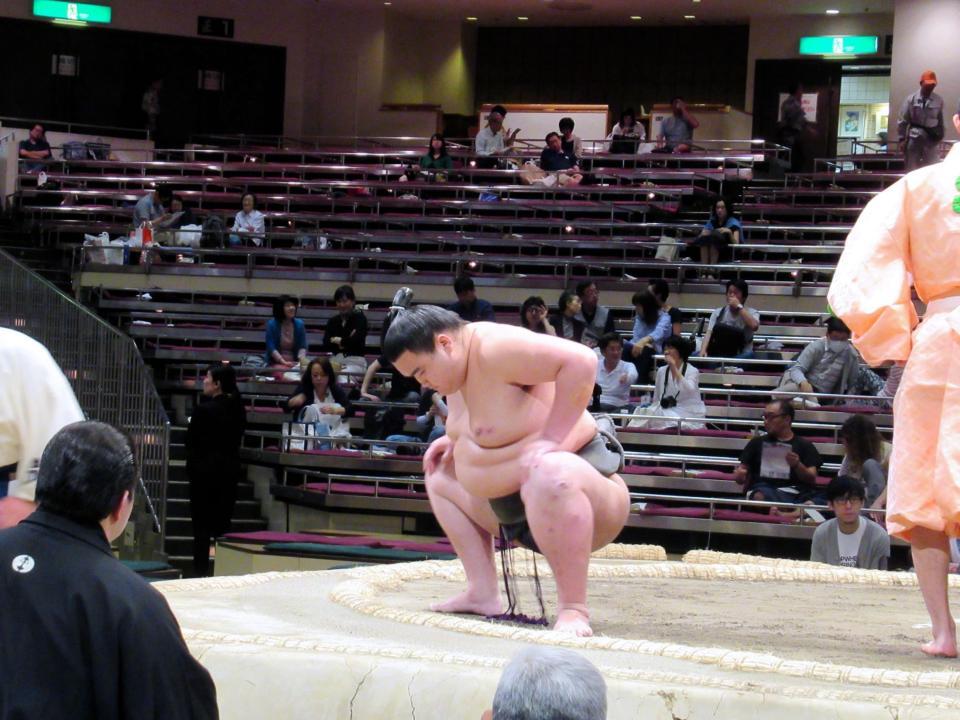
point(839, 44)
point(77, 12)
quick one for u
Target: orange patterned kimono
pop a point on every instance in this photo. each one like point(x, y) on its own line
point(910, 234)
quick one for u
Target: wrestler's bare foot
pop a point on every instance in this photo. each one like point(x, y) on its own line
point(945, 647)
point(571, 620)
point(471, 602)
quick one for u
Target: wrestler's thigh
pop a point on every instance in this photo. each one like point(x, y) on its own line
point(443, 484)
point(608, 496)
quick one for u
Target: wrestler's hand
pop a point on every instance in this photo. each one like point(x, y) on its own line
point(536, 450)
point(438, 453)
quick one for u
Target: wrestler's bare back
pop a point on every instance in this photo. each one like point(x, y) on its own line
point(493, 418)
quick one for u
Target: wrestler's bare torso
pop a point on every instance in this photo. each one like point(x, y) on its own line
point(492, 419)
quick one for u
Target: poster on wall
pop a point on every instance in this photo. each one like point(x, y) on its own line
point(852, 120)
point(809, 101)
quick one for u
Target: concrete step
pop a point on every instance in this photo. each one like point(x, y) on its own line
point(242, 510)
point(179, 489)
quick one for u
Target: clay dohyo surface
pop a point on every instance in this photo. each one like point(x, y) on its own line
point(858, 625)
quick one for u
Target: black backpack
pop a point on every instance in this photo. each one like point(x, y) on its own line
point(211, 234)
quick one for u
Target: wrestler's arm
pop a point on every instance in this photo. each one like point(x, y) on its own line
point(521, 358)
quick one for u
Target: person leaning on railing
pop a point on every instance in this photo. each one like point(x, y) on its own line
point(35, 148)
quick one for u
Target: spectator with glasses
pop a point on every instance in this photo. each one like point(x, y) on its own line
point(780, 466)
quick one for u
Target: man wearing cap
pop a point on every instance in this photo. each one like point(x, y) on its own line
point(493, 139)
point(920, 127)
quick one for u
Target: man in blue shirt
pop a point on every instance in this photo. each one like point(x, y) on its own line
point(555, 159)
point(35, 148)
point(676, 131)
point(468, 306)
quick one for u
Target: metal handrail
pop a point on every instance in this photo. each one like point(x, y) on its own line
point(104, 367)
point(71, 126)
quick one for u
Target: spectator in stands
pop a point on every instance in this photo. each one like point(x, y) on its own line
point(542, 683)
point(180, 214)
point(493, 140)
point(319, 388)
point(676, 131)
point(651, 326)
point(248, 222)
point(569, 142)
point(731, 327)
point(780, 466)
point(661, 291)
point(719, 232)
point(436, 157)
point(533, 316)
point(151, 208)
point(828, 365)
point(920, 124)
point(676, 391)
point(36, 400)
point(346, 333)
point(596, 318)
point(866, 457)
point(565, 323)
point(320, 401)
point(627, 135)
point(286, 334)
point(849, 539)
point(614, 376)
point(213, 460)
point(468, 306)
point(381, 423)
point(554, 158)
point(792, 128)
point(36, 149)
point(431, 423)
point(84, 637)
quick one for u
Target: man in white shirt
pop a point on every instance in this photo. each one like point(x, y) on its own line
point(35, 402)
point(493, 139)
point(614, 376)
point(850, 539)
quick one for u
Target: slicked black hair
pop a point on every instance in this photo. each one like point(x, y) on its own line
point(608, 338)
point(679, 343)
point(85, 470)
point(660, 289)
point(844, 486)
point(835, 324)
point(415, 330)
point(344, 292)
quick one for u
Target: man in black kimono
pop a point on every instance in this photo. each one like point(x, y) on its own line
point(83, 636)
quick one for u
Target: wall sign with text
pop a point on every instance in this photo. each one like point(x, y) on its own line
point(215, 27)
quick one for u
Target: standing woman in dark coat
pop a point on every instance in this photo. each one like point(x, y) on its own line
point(213, 460)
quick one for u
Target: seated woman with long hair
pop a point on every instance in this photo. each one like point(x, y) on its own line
point(320, 401)
point(866, 457)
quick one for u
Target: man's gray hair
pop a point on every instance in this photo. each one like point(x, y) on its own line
point(548, 683)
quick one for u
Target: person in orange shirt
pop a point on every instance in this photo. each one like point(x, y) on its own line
point(907, 236)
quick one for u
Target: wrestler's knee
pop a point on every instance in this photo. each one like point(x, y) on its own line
point(552, 475)
point(437, 482)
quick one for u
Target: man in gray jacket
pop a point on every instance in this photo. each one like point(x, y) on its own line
point(827, 365)
point(850, 539)
point(920, 124)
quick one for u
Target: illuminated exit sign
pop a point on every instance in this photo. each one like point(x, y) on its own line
point(76, 12)
point(839, 44)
